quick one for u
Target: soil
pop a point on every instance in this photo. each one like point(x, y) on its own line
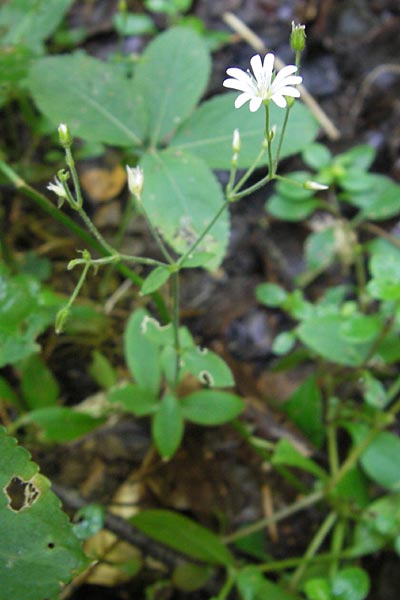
point(351, 67)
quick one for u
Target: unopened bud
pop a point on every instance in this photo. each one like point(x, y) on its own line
point(64, 135)
point(61, 319)
point(135, 181)
point(236, 143)
point(271, 133)
point(314, 186)
point(298, 37)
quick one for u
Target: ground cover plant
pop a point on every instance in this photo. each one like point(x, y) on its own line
point(190, 162)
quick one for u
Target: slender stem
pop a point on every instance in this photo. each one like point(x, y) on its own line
point(69, 159)
point(175, 324)
point(95, 232)
point(332, 437)
point(43, 202)
point(248, 173)
point(278, 516)
point(360, 277)
point(252, 188)
point(228, 585)
point(281, 136)
point(268, 136)
point(337, 545)
point(157, 238)
point(312, 549)
point(288, 563)
point(193, 247)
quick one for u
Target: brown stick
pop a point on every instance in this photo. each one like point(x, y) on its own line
point(255, 42)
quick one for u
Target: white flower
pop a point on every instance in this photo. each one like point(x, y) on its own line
point(263, 84)
point(135, 180)
point(57, 188)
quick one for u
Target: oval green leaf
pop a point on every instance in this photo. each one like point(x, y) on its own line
point(208, 132)
point(184, 535)
point(95, 100)
point(209, 407)
point(38, 550)
point(182, 197)
point(172, 75)
point(168, 426)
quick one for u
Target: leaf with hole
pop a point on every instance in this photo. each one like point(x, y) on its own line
point(39, 551)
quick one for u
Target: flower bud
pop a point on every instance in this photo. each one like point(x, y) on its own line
point(64, 135)
point(57, 188)
point(61, 319)
point(298, 37)
point(314, 186)
point(236, 143)
point(135, 181)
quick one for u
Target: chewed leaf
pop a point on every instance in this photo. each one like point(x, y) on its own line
point(182, 197)
point(38, 551)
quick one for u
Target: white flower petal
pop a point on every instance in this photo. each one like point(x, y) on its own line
point(291, 80)
point(285, 72)
point(279, 100)
point(242, 99)
point(238, 74)
point(255, 103)
point(288, 91)
point(257, 67)
point(241, 86)
point(258, 86)
point(268, 67)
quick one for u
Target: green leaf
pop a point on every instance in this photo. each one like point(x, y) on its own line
point(286, 454)
point(381, 460)
point(211, 407)
point(379, 199)
point(283, 343)
point(92, 97)
point(361, 156)
point(29, 23)
point(24, 315)
point(88, 521)
point(172, 75)
point(62, 424)
point(38, 384)
point(320, 249)
point(322, 334)
point(190, 577)
point(134, 399)
point(141, 355)
point(155, 280)
point(182, 196)
point(379, 524)
point(208, 132)
point(351, 583)
point(271, 294)
point(374, 391)
point(290, 210)
point(252, 585)
point(304, 407)
point(7, 393)
point(133, 24)
point(38, 551)
point(359, 328)
point(102, 370)
point(168, 426)
point(161, 335)
point(293, 189)
point(318, 588)
point(317, 156)
point(208, 367)
point(184, 535)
